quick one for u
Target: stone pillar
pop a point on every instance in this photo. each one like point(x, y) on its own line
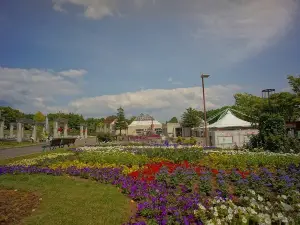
point(81, 131)
point(66, 130)
point(85, 132)
point(34, 133)
point(55, 127)
point(22, 131)
point(47, 125)
point(19, 132)
point(1, 129)
point(11, 130)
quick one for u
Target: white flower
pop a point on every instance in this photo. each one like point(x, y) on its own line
point(284, 220)
point(279, 215)
point(268, 219)
point(223, 206)
point(216, 214)
point(260, 198)
point(230, 216)
point(201, 207)
point(244, 219)
point(284, 197)
point(210, 222)
point(252, 191)
point(219, 222)
point(230, 211)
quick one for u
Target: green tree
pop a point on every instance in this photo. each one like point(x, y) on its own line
point(173, 120)
point(251, 105)
point(39, 117)
point(121, 120)
point(294, 82)
point(286, 104)
point(191, 118)
point(10, 114)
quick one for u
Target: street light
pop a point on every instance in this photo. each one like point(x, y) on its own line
point(204, 108)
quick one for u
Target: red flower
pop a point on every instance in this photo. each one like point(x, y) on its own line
point(134, 174)
point(214, 171)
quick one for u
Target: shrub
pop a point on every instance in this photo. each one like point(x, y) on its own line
point(104, 137)
point(179, 140)
point(272, 135)
point(193, 141)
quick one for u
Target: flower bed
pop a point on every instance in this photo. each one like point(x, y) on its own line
point(188, 186)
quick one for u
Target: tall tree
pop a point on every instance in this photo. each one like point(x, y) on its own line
point(250, 105)
point(121, 120)
point(191, 118)
point(173, 120)
point(39, 117)
point(10, 114)
point(294, 82)
point(286, 104)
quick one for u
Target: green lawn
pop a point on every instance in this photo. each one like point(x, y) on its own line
point(72, 201)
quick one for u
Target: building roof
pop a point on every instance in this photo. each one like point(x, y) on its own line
point(144, 120)
point(229, 120)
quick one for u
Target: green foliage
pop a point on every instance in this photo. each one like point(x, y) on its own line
point(250, 105)
point(191, 118)
point(104, 137)
point(39, 117)
point(193, 141)
point(272, 135)
point(173, 120)
point(121, 123)
point(286, 104)
point(179, 140)
point(118, 158)
point(93, 123)
point(10, 114)
point(294, 82)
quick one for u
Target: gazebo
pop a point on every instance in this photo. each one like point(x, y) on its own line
point(229, 131)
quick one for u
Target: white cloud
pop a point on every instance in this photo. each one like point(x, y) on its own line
point(73, 73)
point(162, 103)
point(237, 30)
point(93, 9)
point(229, 31)
point(35, 89)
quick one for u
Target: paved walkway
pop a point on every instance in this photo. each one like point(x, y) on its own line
point(16, 152)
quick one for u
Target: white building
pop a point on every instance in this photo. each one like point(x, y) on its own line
point(229, 131)
point(144, 124)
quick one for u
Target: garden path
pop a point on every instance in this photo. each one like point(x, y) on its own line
point(21, 151)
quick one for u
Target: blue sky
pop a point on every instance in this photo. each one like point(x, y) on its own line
point(92, 56)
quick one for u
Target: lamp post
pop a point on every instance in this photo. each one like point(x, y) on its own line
point(204, 108)
point(266, 93)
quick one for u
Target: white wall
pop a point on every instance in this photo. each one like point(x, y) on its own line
point(169, 129)
point(222, 138)
point(132, 129)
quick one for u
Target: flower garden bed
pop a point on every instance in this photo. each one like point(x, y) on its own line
point(186, 185)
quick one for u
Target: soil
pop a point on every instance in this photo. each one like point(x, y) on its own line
point(16, 205)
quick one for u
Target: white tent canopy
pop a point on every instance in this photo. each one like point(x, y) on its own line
point(229, 120)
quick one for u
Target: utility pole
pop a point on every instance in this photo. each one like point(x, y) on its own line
point(204, 108)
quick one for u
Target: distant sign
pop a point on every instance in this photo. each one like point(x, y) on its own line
point(225, 140)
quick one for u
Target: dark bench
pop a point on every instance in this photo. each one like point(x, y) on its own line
point(59, 142)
